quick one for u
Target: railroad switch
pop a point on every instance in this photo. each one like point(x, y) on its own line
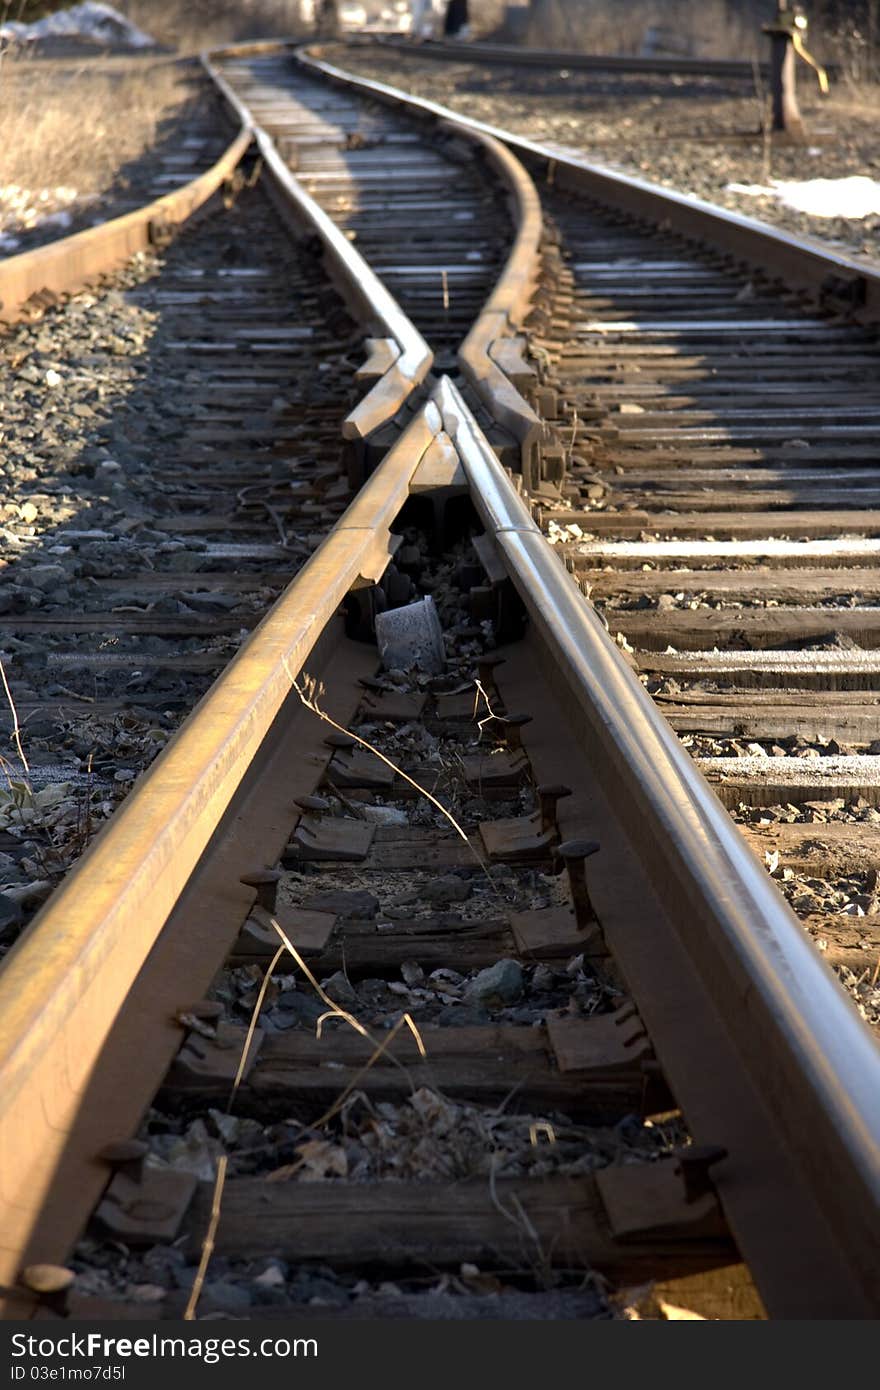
point(787, 34)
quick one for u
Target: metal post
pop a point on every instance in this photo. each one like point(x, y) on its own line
point(786, 115)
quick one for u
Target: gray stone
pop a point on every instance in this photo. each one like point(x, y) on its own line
point(359, 904)
point(447, 889)
point(525, 1014)
point(10, 914)
point(375, 993)
point(496, 986)
point(223, 1297)
point(339, 990)
point(543, 978)
point(461, 1016)
point(308, 1285)
point(268, 1296)
point(269, 1286)
point(45, 576)
point(274, 1271)
point(295, 1006)
point(502, 871)
point(209, 603)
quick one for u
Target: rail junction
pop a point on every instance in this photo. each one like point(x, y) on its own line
point(490, 903)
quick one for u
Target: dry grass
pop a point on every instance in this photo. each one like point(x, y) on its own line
point(74, 127)
point(190, 25)
point(71, 125)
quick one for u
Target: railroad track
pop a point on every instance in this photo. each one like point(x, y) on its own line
point(416, 203)
point(512, 55)
point(492, 1054)
point(202, 468)
point(725, 430)
point(701, 518)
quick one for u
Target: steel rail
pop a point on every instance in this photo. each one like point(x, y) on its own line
point(795, 1033)
point(846, 282)
point(62, 985)
point(368, 298)
point(70, 263)
point(795, 1029)
point(510, 300)
point(506, 308)
point(514, 56)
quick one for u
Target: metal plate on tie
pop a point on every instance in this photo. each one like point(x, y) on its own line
point(646, 1201)
point(605, 1042)
point(145, 1212)
point(504, 768)
point(463, 704)
point(319, 838)
point(356, 767)
point(521, 837)
point(309, 932)
point(553, 933)
point(397, 706)
point(214, 1061)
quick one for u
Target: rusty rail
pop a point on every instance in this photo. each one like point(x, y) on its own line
point(70, 263)
point(523, 56)
point(490, 353)
point(796, 1100)
point(360, 287)
point(813, 1064)
point(62, 986)
point(481, 353)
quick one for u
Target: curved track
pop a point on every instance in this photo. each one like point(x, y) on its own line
point(417, 206)
point(625, 979)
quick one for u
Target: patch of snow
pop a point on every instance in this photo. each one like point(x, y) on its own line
point(99, 23)
point(854, 197)
point(23, 209)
